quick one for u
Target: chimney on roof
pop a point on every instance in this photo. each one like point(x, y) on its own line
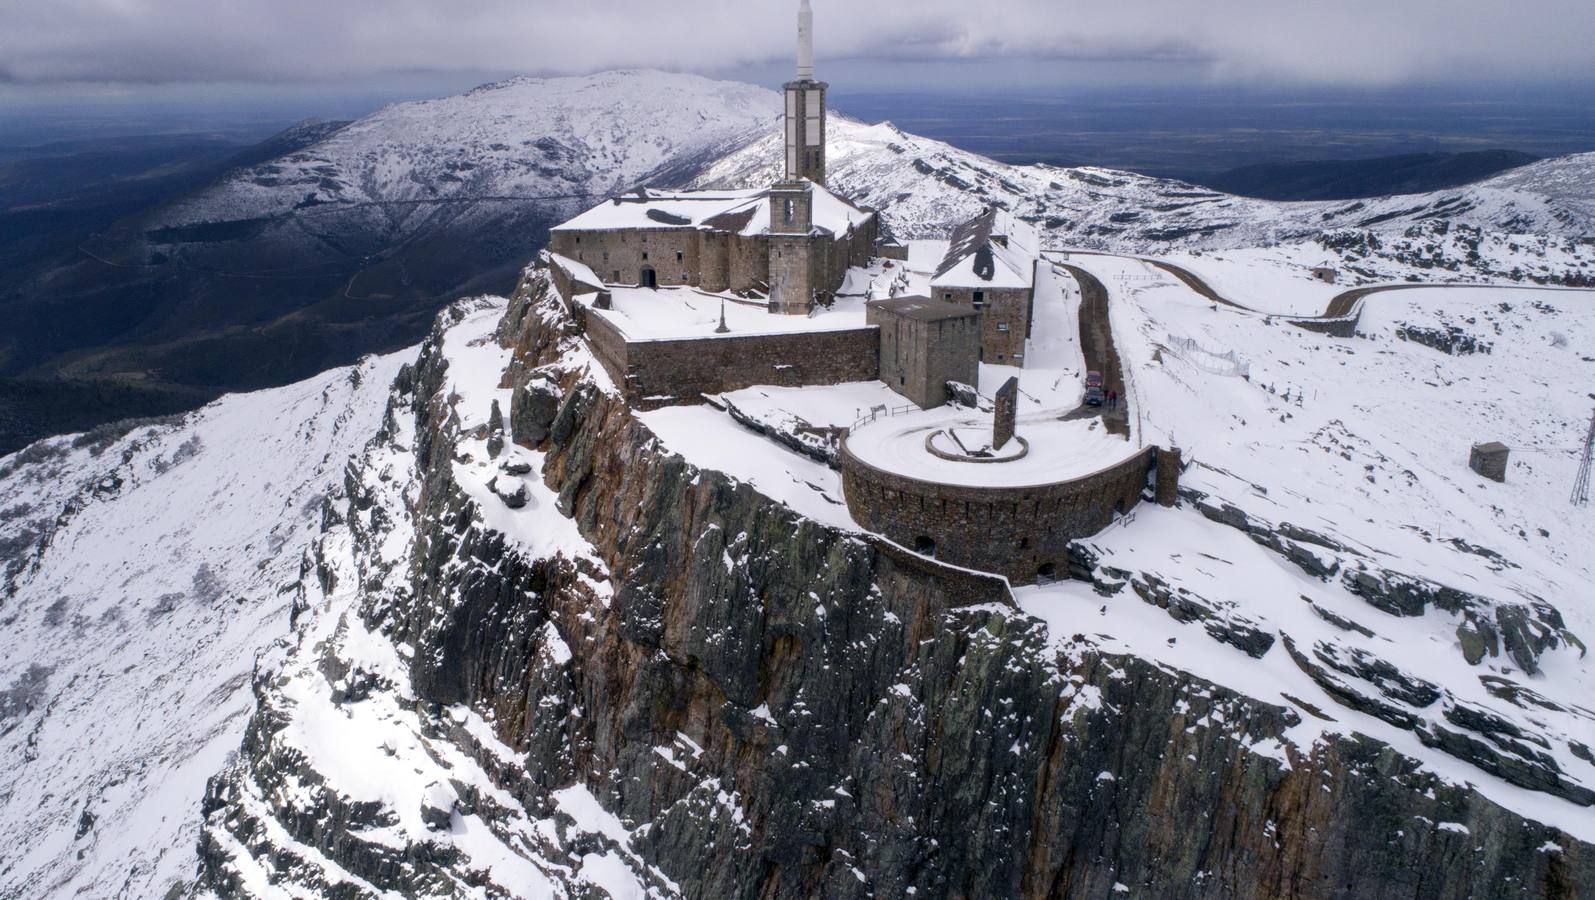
point(805, 47)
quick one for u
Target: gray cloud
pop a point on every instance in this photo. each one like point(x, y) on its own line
point(1364, 42)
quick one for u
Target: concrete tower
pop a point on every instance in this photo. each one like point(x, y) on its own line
point(792, 241)
point(805, 109)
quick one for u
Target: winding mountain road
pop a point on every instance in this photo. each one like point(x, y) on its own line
point(1345, 305)
point(1096, 344)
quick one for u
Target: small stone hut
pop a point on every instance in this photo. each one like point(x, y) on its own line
point(925, 344)
point(1489, 460)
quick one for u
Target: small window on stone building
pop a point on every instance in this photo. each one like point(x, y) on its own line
point(616, 279)
point(645, 255)
point(578, 239)
point(1002, 326)
point(947, 296)
point(606, 256)
point(680, 256)
point(789, 212)
point(980, 299)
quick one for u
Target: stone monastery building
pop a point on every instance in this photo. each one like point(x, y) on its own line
point(689, 297)
point(649, 262)
point(794, 241)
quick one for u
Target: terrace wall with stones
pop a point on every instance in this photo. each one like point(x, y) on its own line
point(669, 373)
point(1022, 533)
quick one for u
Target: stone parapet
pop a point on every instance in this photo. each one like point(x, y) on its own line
point(1022, 533)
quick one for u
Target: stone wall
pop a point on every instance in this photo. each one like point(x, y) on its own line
point(713, 260)
point(918, 357)
point(1004, 320)
point(671, 373)
point(1343, 326)
point(1022, 533)
point(793, 263)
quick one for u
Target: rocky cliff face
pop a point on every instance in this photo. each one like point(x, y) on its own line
point(585, 666)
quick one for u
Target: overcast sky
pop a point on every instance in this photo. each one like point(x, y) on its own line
point(1329, 42)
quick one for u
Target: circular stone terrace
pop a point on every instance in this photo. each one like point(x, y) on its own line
point(945, 446)
point(930, 482)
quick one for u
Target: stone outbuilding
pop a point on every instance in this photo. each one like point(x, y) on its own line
point(1490, 460)
point(990, 267)
point(925, 344)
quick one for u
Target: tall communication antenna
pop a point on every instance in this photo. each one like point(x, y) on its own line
point(1581, 483)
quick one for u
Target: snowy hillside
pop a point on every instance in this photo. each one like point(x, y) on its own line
point(461, 623)
point(563, 143)
point(143, 576)
point(1329, 501)
point(526, 138)
point(1532, 222)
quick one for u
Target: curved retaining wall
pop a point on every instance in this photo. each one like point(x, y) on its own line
point(1020, 532)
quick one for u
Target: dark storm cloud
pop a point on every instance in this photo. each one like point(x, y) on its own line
point(1344, 42)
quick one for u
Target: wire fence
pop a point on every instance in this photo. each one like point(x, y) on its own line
point(1211, 361)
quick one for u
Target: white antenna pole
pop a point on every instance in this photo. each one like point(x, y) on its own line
point(805, 49)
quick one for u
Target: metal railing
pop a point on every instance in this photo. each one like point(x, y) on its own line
point(882, 412)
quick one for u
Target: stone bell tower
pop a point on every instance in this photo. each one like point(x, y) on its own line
point(792, 248)
point(805, 109)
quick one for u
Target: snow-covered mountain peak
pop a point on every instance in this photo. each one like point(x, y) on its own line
point(525, 138)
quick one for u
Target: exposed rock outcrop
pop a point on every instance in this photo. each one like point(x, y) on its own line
point(776, 708)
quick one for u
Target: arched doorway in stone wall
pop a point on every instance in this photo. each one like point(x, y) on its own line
point(925, 545)
point(649, 278)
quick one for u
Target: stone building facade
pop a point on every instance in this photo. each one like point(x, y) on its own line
point(1004, 320)
point(924, 344)
point(990, 267)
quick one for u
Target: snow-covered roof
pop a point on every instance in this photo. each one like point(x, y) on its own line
point(745, 212)
point(578, 272)
point(994, 249)
point(924, 309)
point(668, 314)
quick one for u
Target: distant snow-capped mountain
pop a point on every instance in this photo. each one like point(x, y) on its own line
point(922, 184)
point(525, 138)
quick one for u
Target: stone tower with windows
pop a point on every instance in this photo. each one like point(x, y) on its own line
point(792, 240)
point(792, 248)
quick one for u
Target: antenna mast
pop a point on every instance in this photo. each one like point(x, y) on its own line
point(805, 48)
point(1581, 483)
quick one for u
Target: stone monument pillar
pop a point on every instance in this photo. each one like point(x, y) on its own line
point(1007, 410)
